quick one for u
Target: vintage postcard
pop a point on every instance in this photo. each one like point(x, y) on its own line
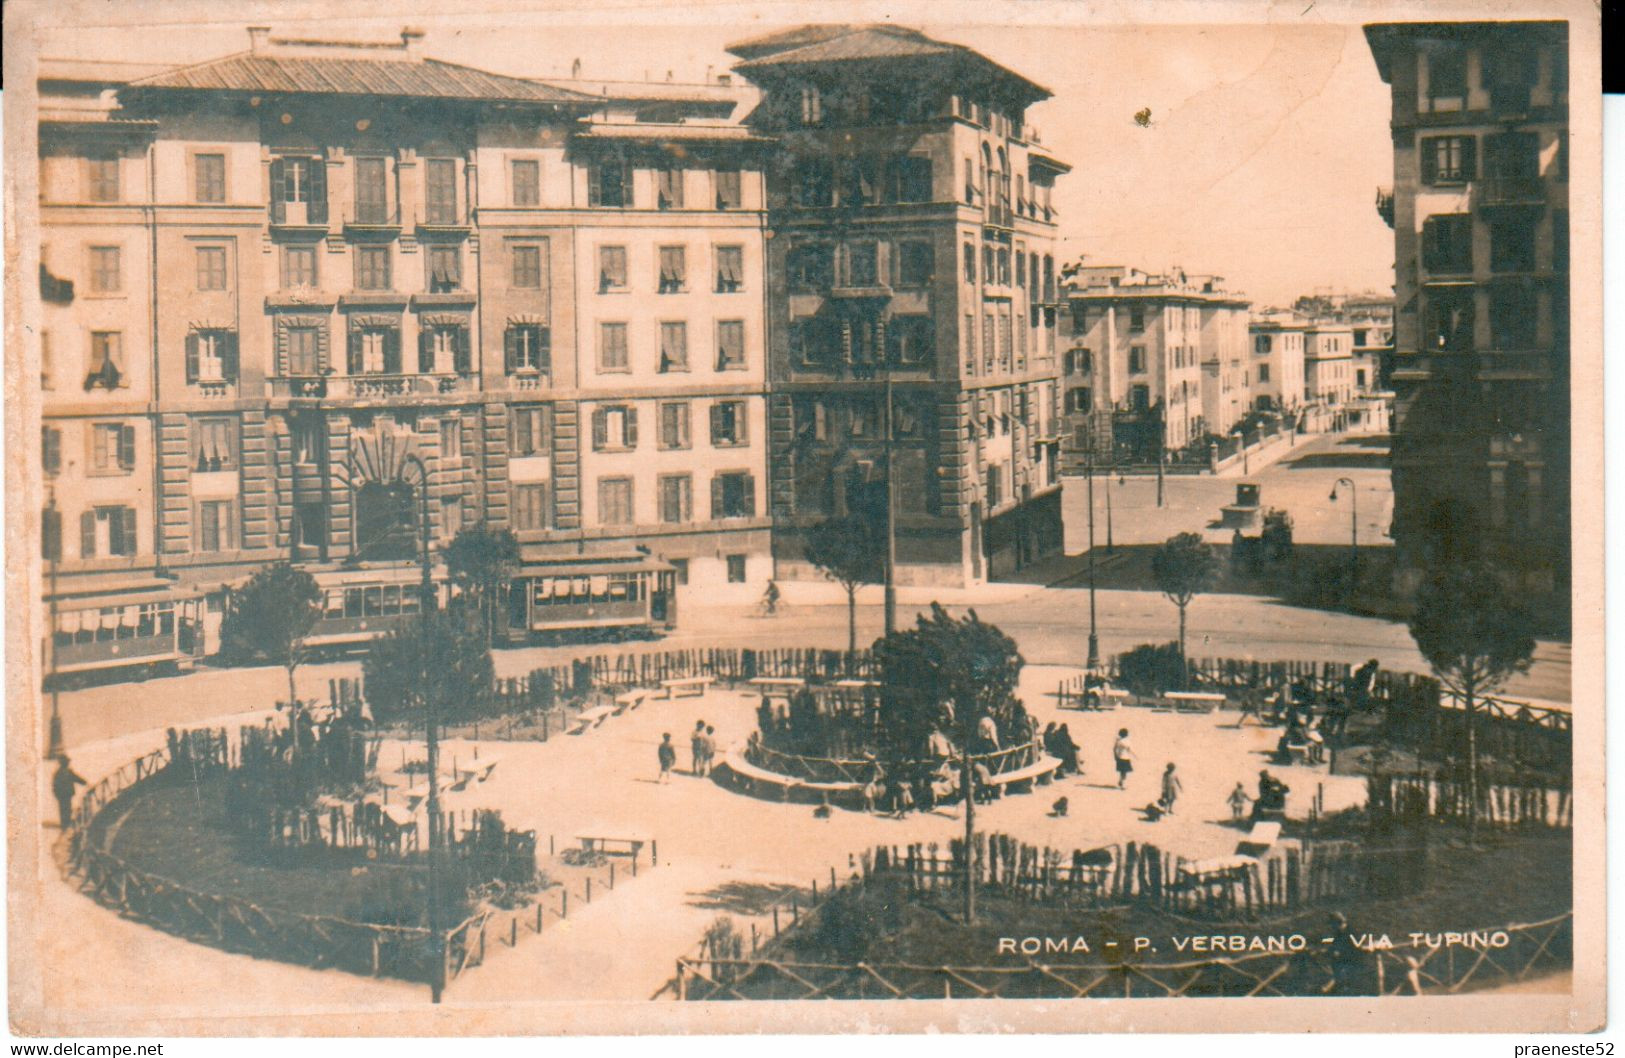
point(562, 518)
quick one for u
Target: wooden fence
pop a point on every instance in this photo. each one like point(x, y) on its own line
point(1414, 710)
point(826, 769)
point(1415, 797)
point(1501, 955)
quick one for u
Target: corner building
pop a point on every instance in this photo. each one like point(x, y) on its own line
point(1479, 209)
point(910, 260)
point(284, 288)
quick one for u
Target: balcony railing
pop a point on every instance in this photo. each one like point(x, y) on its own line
point(441, 217)
point(1501, 191)
point(371, 218)
point(1385, 205)
point(372, 387)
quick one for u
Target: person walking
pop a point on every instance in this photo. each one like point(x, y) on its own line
point(1171, 787)
point(62, 785)
point(1238, 803)
point(1123, 755)
point(710, 744)
point(696, 748)
point(668, 757)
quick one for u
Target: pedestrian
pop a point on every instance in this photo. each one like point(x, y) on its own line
point(1171, 787)
point(1123, 754)
point(710, 748)
point(668, 757)
point(1344, 956)
point(1238, 802)
point(62, 784)
point(987, 732)
point(1067, 751)
point(696, 747)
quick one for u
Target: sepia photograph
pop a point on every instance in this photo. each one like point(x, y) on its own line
point(564, 519)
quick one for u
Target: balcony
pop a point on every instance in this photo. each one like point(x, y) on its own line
point(1509, 192)
point(1385, 205)
point(215, 388)
point(299, 219)
point(365, 221)
point(442, 221)
point(530, 380)
point(372, 387)
point(860, 291)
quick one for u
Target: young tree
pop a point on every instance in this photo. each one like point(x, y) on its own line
point(948, 672)
point(450, 666)
point(268, 618)
point(1183, 567)
point(851, 551)
point(1474, 633)
point(481, 562)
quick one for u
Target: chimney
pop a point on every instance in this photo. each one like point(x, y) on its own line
point(412, 40)
point(258, 38)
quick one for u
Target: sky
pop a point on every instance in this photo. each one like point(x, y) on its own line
point(1260, 162)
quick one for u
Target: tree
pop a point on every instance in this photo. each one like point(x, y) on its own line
point(1183, 567)
point(1475, 633)
point(851, 551)
point(482, 562)
point(268, 618)
point(948, 672)
point(449, 666)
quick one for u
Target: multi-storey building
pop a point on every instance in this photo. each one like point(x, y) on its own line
point(1278, 362)
point(1150, 359)
point(911, 265)
point(1328, 363)
point(287, 288)
point(1479, 209)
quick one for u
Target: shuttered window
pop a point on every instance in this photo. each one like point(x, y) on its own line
point(730, 345)
point(615, 501)
point(530, 507)
point(112, 448)
point(530, 430)
point(612, 355)
point(674, 425)
point(673, 346)
point(733, 495)
point(730, 269)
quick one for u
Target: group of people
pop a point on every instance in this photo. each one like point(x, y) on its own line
point(1058, 743)
point(702, 747)
point(1270, 802)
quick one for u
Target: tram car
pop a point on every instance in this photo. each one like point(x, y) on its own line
point(620, 596)
point(359, 605)
point(142, 633)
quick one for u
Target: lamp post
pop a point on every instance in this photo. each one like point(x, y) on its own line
point(53, 743)
point(437, 940)
point(1354, 528)
point(891, 513)
point(1089, 476)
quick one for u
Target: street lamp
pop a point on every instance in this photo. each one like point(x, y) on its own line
point(891, 511)
point(1354, 528)
point(53, 746)
point(1089, 475)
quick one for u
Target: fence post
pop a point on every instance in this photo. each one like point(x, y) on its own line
point(589, 890)
point(612, 877)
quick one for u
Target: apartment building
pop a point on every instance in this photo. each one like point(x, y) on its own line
point(289, 291)
point(1479, 209)
point(1154, 362)
point(913, 282)
point(1278, 347)
point(1328, 363)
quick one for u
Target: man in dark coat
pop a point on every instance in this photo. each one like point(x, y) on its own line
point(62, 785)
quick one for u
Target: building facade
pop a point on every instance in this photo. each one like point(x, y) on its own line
point(292, 293)
point(1152, 363)
point(1278, 341)
point(1479, 209)
point(912, 282)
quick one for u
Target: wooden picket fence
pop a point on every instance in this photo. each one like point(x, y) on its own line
point(1419, 796)
point(1507, 954)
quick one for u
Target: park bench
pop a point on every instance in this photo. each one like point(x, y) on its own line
point(855, 685)
point(629, 700)
point(778, 683)
point(756, 778)
point(1194, 701)
point(591, 718)
point(1105, 697)
point(604, 845)
point(1042, 770)
point(1216, 870)
point(684, 686)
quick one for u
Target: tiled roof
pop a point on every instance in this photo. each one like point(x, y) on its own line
point(426, 78)
point(827, 44)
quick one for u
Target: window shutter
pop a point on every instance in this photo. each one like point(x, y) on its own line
point(1430, 161)
point(716, 422)
point(741, 423)
point(227, 346)
point(1469, 157)
point(716, 496)
point(317, 209)
point(51, 449)
point(191, 356)
point(632, 427)
point(600, 428)
point(355, 352)
point(279, 191)
point(126, 447)
point(594, 172)
point(460, 350)
point(87, 535)
point(425, 350)
point(510, 349)
point(748, 496)
point(127, 521)
point(392, 351)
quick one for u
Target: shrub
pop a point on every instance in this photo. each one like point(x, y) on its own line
point(1150, 668)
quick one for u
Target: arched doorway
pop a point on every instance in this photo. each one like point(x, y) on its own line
point(386, 528)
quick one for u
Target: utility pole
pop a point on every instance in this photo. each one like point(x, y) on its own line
point(53, 744)
point(891, 515)
point(437, 939)
point(1162, 447)
point(1089, 474)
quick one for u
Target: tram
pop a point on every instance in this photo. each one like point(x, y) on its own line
point(626, 595)
point(359, 605)
point(147, 632)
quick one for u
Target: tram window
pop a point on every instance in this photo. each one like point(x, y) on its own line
point(392, 599)
point(166, 621)
point(335, 604)
point(617, 587)
point(582, 588)
point(352, 602)
point(146, 624)
point(410, 600)
point(372, 601)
